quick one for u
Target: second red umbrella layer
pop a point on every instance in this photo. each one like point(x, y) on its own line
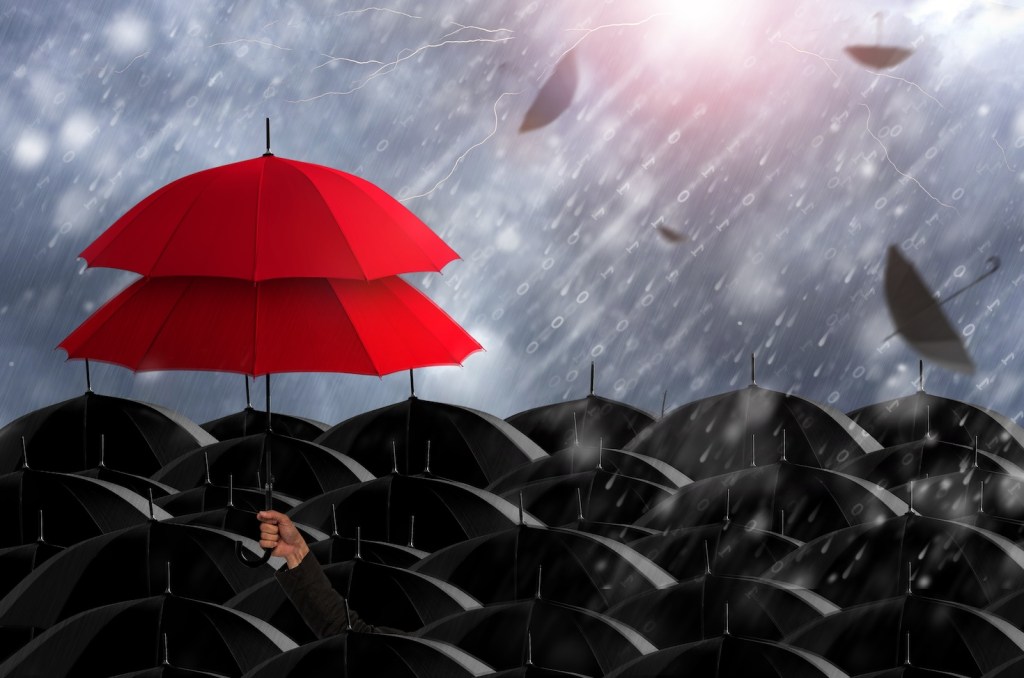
point(289, 325)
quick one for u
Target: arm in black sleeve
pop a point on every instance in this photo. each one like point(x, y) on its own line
point(321, 607)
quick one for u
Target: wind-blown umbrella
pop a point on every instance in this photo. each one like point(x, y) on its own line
point(942, 635)
point(73, 435)
point(354, 655)
point(558, 636)
point(944, 559)
point(731, 431)
point(578, 568)
point(799, 501)
point(126, 636)
point(384, 595)
point(428, 513)
point(555, 96)
point(302, 469)
point(464, 444)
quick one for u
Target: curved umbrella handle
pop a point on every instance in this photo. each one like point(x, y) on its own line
point(247, 559)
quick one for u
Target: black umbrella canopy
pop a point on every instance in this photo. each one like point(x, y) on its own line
point(725, 547)
point(241, 522)
point(957, 495)
point(942, 635)
point(210, 496)
point(383, 595)
point(944, 559)
point(339, 548)
point(534, 671)
point(911, 672)
point(251, 421)
point(573, 567)
point(710, 605)
point(731, 431)
point(577, 458)
point(596, 494)
point(730, 657)
point(136, 437)
point(301, 469)
point(800, 501)
point(1007, 528)
point(617, 531)
point(130, 635)
point(17, 561)
point(464, 444)
point(427, 513)
point(355, 655)
point(75, 508)
point(1010, 669)
point(132, 563)
point(140, 485)
point(169, 671)
point(554, 635)
point(914, 417)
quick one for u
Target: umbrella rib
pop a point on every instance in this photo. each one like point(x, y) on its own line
point(348, 318)
point(163, 323)
point(177, 226)
point(256, 224)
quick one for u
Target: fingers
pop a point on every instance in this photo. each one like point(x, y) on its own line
point(273, 518)
point(268, 536)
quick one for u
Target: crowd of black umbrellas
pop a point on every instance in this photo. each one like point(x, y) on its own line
point(752, 533)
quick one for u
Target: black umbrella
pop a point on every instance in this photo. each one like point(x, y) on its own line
point(753, 425)
point(912, 629)
point(554, 96)
point(338, 548)
point(139, 437)
point(17, 561)
point(579, 568)
point(555, 635)
point(726, 547)
point(909, 671)
point(169, 671)
point(239, 521)
point(730, 657)
point(463, 444)
point(617, 531)
point(711, 604)
point(131, 636)
point(140, 485)
point(301, 469)
point(958, 495)
point(534, 671)
point(428, 513)
point(382, 594)
point(354, 655)
point(800, 501)
point(76, 507)
point(209, 496)
point(132, 563)
point(878, 55)
point(250, 421)
point(587, 421)
point(943, 559)
point(924, 458)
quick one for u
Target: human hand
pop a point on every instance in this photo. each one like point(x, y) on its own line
point(278, 532)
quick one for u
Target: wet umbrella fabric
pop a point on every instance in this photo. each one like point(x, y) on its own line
point(302, 469)
point(957, 495)
point(579, 569)
point(384, 595)
point(728, 547)
point(617, 531)
point(289, 325)
point(730, 656)
point(127, 636)
point(75, 508)
point(445, 512)
point(250, 421)
point(136, 437)
point(943, 635)
point(728, 432)
point(558, 636)
point(555, 96)
point(811, 501)
point(354, 655)
point(269, 217)
point(465, 445)
point(587, 421)
point(948, 560)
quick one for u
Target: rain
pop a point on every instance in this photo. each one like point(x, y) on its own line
point(781, 239)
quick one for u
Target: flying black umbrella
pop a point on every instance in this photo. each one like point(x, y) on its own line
point(209, 496)
point(878, 55)
point(800, 501)
point(385, 596)
point(301, 469)
point(579, 568)
point(464, 445)
point(587, 421)
point(711, 604)
point(726, 547)
point(555, 96)
point(137, 437)
point(129, 636)
point(353, 655)
point(943, 559)
point(428, 513)
point(250, 421)
point(912, 629)
point(730, 657)
point(731, 431)
point(76, 507)
point(558, 636)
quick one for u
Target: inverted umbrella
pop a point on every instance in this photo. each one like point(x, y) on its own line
point(878, 55)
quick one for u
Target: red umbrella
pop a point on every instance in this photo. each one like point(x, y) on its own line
point(270, 217)
point(289, 325)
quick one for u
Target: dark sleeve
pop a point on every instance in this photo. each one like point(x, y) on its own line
point(321, 607)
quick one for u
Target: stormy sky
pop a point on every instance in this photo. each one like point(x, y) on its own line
point(786, 170)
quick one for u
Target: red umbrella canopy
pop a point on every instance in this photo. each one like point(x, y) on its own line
point(267, 218)
point(288, 325)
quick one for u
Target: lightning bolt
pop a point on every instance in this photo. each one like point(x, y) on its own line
point(825, 60)
point(463, 27)
point(1003, 151)
point(912, 84)
point(132, 62)
point(265, 43)
point(590, 31)
point(378, 9)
